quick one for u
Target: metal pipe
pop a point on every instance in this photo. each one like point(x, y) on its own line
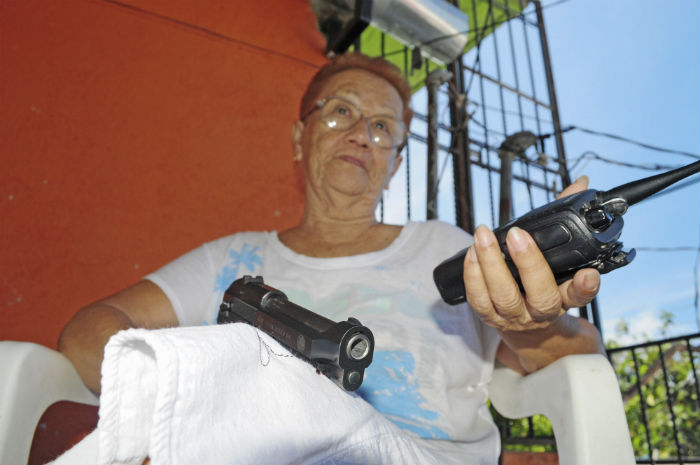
point(505, 201)
point(461, 161)
point(563, 171)
point(432, 82)
point(513, 146)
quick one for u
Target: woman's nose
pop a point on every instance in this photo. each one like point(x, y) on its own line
point(359, 133)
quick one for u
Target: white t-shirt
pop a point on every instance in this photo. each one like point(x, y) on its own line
point(431, 362)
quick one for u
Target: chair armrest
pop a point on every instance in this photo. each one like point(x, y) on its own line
point(580, 396)
point(33, 378)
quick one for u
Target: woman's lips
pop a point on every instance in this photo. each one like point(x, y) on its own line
point(353, 160)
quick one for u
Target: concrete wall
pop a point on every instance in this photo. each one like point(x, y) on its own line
point(133, 131)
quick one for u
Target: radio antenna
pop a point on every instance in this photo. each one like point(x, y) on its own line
point(636, 191)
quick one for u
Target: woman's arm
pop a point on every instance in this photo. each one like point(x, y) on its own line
point(143, 305)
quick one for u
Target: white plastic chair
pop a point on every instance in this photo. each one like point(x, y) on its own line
point(32, 378)
point(579, 394)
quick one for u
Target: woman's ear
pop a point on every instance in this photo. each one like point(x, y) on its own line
point(297, 132)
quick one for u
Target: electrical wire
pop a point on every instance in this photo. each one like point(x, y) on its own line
point(510, 112)
point(209, 32)
point(623, 139)
point(589, 154)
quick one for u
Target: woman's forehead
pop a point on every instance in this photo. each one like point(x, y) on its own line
point(365, 88)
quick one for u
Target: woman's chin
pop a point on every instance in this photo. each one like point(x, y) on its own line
point(351, 189)
point(352, 181)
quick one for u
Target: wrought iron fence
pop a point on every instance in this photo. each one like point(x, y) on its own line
point(661, 394)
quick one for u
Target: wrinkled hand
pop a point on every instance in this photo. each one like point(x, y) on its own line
point(494, 295)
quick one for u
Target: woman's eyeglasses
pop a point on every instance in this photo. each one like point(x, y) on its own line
point(340, 114)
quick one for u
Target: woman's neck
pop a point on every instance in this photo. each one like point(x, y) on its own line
point(324, 236)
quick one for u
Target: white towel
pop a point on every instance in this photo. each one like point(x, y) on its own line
point(230, 394)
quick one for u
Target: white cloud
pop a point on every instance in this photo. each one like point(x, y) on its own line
point(645, 326)
point(619, 303)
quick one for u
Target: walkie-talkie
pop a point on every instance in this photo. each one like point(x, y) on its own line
point(575, 232)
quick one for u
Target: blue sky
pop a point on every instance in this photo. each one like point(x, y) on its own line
point(630, 68)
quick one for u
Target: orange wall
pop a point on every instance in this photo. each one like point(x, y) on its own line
point(129, 136)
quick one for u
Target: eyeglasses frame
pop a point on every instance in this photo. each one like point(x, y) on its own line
point(322, 102)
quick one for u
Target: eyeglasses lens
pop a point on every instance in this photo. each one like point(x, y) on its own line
point(339, 115)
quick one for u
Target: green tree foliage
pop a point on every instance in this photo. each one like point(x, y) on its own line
point(533, 434)
point(660, 392)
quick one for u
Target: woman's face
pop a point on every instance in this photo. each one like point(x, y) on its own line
point(347, 161)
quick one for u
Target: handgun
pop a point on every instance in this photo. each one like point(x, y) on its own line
point(340, 350)
point(574, 232)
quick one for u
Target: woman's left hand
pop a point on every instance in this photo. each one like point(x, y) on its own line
point(493, 293)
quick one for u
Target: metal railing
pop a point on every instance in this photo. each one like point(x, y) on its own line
point(661, 394)
point(660, 388)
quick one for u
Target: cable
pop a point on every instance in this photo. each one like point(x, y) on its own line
point(623, 139)
point(589, 154)
point(206, 31)
point(510, 112)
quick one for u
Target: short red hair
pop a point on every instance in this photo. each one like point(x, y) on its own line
point(357, 61)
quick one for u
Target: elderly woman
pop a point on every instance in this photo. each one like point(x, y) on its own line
point(431, 361)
